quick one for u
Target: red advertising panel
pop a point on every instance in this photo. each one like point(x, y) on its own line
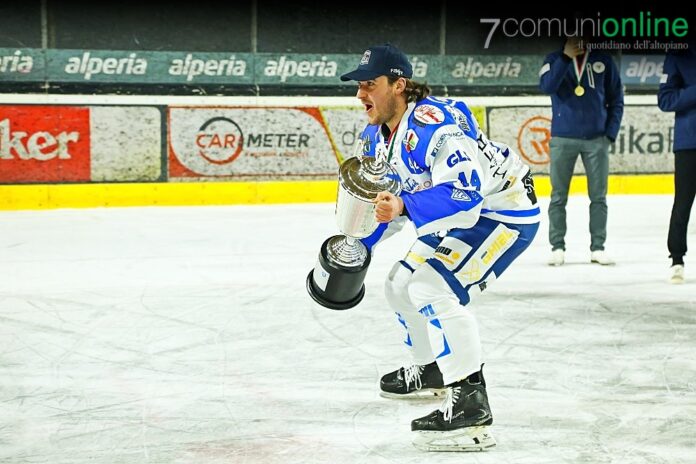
point(44, 144)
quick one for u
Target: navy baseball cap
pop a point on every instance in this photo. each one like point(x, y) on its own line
point(381, 60)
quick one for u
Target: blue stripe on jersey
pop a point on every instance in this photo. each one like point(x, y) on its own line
point(432, 240)
point(407, 266)
point(514, 213)
point(371, 240)
point(437, 203)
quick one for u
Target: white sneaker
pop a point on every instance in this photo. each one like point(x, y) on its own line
point(557, 257)
point(677, 276)
point(601, 257)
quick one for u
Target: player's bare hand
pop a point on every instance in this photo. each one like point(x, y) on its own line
point(389, 207)
point(573, 47)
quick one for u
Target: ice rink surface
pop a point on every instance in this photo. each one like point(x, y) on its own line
point(185, 335)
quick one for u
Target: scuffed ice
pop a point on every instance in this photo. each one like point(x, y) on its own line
point(185, 335)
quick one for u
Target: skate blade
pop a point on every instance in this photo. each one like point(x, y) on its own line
point(423, 394)
point(466, 439)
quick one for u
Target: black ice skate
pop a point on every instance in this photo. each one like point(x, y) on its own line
point(461, 424)
point(413, 382)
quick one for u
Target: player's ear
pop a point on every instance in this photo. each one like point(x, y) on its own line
point(400, 85)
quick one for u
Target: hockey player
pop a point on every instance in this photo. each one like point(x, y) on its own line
point(473, 205)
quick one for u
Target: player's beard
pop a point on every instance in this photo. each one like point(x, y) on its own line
point(389, 111)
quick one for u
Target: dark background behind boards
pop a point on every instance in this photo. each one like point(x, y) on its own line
point(346, 27)
point(276, 26)
point(20, 24)
point(301, 26)
point(194, 26)
point(214, 26)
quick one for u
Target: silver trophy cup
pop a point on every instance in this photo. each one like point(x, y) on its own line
point(336, 282)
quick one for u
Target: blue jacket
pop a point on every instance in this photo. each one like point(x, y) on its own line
point(678, 93)
point(599, 111)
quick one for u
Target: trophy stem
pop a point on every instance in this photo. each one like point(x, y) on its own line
point(346, 251)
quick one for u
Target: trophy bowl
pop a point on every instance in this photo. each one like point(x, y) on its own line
point(336, 282)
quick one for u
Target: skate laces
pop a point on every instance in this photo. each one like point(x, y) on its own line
point(413, 374)
point(447, 405)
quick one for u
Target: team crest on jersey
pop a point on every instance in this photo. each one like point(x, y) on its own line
point(429, 114)
point(598, 67)
point(410, 141)
point(460, 195)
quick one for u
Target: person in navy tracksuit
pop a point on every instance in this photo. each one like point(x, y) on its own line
point(587, 103)
point(678, 93)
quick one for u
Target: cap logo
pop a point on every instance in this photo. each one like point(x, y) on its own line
point(366, 57)
point(396, 71)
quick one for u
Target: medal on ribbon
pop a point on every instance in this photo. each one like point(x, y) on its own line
point(579, 71)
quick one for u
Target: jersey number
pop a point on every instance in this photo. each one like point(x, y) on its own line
point(475, 180)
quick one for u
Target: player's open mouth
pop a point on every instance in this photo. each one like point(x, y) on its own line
point(367, 108)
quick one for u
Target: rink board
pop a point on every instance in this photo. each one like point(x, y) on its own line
point(82, 151)
point(48, 196)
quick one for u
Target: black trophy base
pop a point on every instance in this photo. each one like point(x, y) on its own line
point(316, 295)
point(339, 287)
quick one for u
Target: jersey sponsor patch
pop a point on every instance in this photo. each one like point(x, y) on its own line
point(486, 255)
point(458, 116)
point(412, 185)
point(410, 140)
point(498, 243)
point(456, 135)
point(451, 252)
point(428, 114)
point(456, 157)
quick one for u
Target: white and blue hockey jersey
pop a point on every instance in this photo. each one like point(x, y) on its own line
point(450, 172)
